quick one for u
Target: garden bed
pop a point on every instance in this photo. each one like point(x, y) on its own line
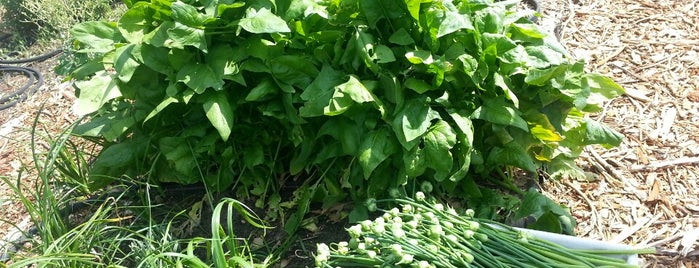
point(642, 193)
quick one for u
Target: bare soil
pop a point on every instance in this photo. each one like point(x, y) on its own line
point(645, 192)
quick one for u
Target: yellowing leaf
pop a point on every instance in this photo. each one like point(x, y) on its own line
point(545, 134)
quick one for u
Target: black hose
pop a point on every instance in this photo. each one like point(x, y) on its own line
point(36, 79)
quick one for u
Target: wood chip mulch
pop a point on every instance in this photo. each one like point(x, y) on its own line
point(646, 191)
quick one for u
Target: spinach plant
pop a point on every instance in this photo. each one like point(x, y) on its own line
point(372, 94)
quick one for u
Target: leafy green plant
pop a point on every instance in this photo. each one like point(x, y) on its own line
point(424, 233)
point(377, 93)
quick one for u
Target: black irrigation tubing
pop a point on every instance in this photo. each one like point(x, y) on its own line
point(35, 78)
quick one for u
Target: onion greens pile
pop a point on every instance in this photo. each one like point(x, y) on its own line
point(425, 233)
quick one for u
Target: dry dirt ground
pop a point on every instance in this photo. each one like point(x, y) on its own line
point(645, 192)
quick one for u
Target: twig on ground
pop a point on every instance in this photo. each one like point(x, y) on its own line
point(668, 163)
point(626, 233)
point(607, 167)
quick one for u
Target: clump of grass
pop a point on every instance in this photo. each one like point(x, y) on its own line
point(32, 20)
point(121, 230)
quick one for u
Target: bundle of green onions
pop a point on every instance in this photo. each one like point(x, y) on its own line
point(426, 234)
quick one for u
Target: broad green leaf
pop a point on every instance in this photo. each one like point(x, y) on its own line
point(295, 70)
point(176, 35)
point(499, 112)
point(542, 57)
point(529, 29)
point(318, 94)
point(220, 113)
point(95, 92)
point(182, 35)
point(224, 60)
point(454, 21)
point(112, 161)
point(179, 155)
point(162, 9)
point(346, 95)
point(413, 121)
point(383, 54)
point(199, 77)
point(263, 21)
point(565, 168)
point(262, 91)
point(365, 43)
point(297, 8)
point(541, 207)
point(538, 57)
point(124, 64)
point(540, 77)
point(438, 142)
point(419, 86)
point(598, 133)
point(468, 64)
point(464, 124)
point(500, 81)
point(419, 57)
point(414, 8)
point(159, 36)
point(603, 86)
point(253, 155)
point(187, 14)
point(344, 130)
point(497, 44)
point(511, 154)
point(401, 37)
point(262, 49)
point(329, 150)
point(464, 147)
point(490, 19)
point(376, 10)
point(109, 126)
point(227, 6)
point(100, 36)
point(415, 162)
point(161, 106)
point(155, 58)
point(136, 22)
point(376, 147)
point(358, 214)
point(117, 155)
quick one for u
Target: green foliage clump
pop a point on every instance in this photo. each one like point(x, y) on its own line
point(372, 94)
point(29, 20)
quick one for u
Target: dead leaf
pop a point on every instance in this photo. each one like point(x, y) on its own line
point(654, 194)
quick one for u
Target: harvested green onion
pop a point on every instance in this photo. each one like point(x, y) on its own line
point(424, 234)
